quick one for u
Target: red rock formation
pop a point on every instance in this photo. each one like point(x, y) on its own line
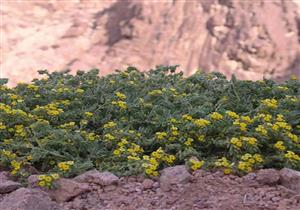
point(252, 39)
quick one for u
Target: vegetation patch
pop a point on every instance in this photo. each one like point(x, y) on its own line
point(132, 122)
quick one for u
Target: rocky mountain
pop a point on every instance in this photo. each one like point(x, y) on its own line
point(252, 39)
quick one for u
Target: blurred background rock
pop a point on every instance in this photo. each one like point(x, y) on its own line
point(250, 38)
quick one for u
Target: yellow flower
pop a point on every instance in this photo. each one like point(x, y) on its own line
point(65, 166)
point(79, 90)
point(117, 152)
point(158, 154)
point(223, 162)
point(251, 161)
point(292, 156)
point(280, 118)
point(110, 124)
point(173, 120)
point(280, 146)
point(283, 88)
point(244, 166)
point(284, 125)
point(261, 130)
point(270, 103)
point(55, 176)
point(216, 116)
point(232, 114)
point(201, 123)
point(153, 161)
point(227, 171)
point(201, 138)
point(196, 164)
point(250, 140)
point(92, 136)
point(109, 137)
point(246, 157)
point(169, 159)
point(293, 137)
point(48, 179)
point(42, 183)
point(121, 96)
point(188, 142)
point(293, 77)
point(243, 126)
point(2, 126)
point(187, 117)
point(16, 165)
point(155, 92)
point(236, 142)
point(161, 135)
point(154, 173)
point(246, 119)
point(175, 133)
point(145, 165)
point(41, 177)
point(133, 158)
point(258, 158)
point(120, 104)
point(88, 114)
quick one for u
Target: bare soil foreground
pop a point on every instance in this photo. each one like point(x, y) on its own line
point(176, 188)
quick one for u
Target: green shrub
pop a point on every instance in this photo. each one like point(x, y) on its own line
point(132, 122)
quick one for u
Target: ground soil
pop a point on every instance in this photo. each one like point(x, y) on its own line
point(207, 190)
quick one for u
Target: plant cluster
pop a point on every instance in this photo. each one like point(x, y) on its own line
point(132, 122)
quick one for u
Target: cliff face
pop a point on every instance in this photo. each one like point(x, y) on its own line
point(252, 39)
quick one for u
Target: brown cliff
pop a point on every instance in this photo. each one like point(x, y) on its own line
point(253, 39)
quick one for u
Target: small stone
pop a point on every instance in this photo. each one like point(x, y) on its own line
point(147, 184)
point(78, 203)
point(101, 178)
point(4, 175)
point(7, 186)
point(131, 179)
point(28, 199)
point(275, 199)
point(268, 176)
point(250, 180)
point(66, 190)
point(110, 188)
point(290, 179)
point(173, 176)
point(156, 185)
point(142, 208)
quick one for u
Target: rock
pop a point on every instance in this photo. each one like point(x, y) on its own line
point(147, 184)
point(67, 188)
point(290, 179)
point(4, 175)
point(32, 181)
point(28, 199)
point(156, 185)
point(250, 180)
point(173, 176)
point(78, 203)
point(267, 176)
point(7, 186)
point(110, 188)
point(101, 178)
point(223, 35)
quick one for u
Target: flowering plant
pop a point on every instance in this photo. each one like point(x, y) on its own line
point(132, 122)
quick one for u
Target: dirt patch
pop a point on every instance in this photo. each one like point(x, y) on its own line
point(206, 190)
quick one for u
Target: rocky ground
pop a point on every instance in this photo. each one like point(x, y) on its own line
point(251, 39)
point(176, 188)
